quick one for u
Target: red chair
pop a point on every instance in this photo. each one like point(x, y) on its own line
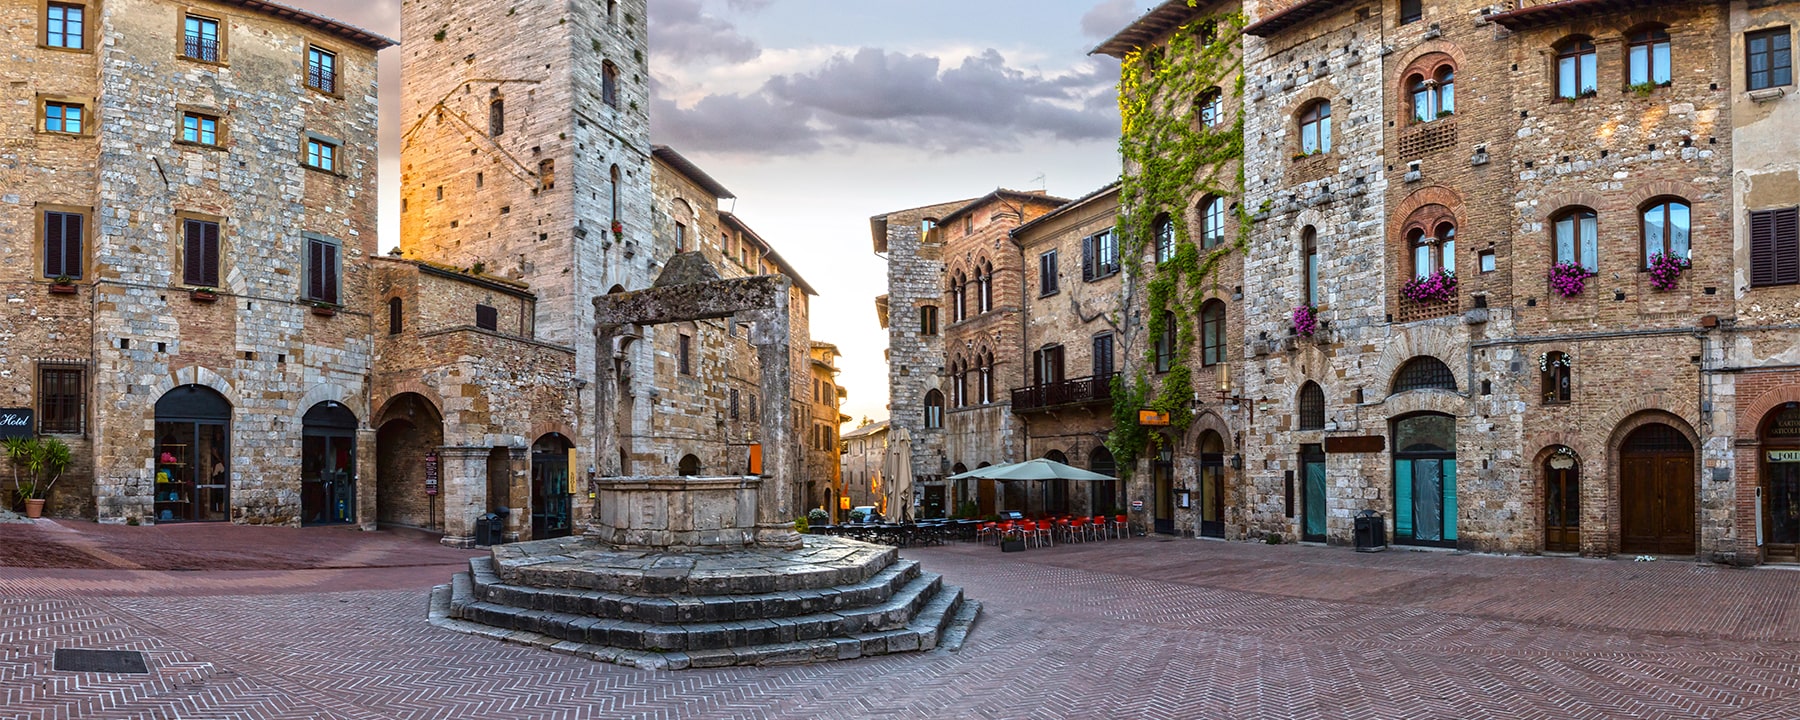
point(1046, 532)
point(1078, 529)
point(986, 530)
point(1098, 527)
point(1121, 527)
point(1065, 529)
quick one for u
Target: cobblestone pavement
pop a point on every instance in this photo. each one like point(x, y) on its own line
point(1122, 629)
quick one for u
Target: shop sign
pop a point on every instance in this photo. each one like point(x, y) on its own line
point(15, 422)
point(431, 473)
point(1153, 418)
point(1784, 456)
point(1786, 425)
point(1356, 444)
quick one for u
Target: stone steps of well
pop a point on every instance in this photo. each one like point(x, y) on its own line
point(489, 587)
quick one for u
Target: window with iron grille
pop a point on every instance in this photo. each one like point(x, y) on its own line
point(200, 38)
point(321, 69)
point(609, 84)
point(1312, 406)
point(62, 244)
point(323, 266)
point(200, 253)
point(61, 395)
point(685, 358)
point(1424, 373)
point(65, 25)
point(734, 403)
point(487, 317)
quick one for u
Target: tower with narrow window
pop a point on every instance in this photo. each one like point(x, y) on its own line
point(525, 153)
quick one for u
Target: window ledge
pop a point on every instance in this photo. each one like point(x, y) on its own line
point(337, 95)
point(202, 61)
point(1768, 94)
point(322, 171)
point(198, 145)
point(53, 48)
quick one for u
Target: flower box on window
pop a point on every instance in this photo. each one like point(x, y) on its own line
point(62, 285)
point(324, 310)
point(1665, 270)
point(1569, 279)
point(203, 295)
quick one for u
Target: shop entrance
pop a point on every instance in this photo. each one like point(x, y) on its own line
point(328, 465)
point(1162, 471)
point(193, 455)
point(1656, 492)
point(1212, 485)
point(1425, 480)
point(1781, 485)
point(551, 512)
point(1312, 493)
point(1562, 502)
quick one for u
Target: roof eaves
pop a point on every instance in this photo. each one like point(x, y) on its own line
point(1109, 188)
point(1147, 28)
point(340, 29)
point(693, 172)
point(997, 194)
point(1293, 15)
point(769, 252)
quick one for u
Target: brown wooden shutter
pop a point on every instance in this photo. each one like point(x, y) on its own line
point(209, 240)
point(1775, 247)
point(53, 244)
point(315, 269)
point(72, 244)
point(1787, 246)
point(1087, 258)
point(193, 267)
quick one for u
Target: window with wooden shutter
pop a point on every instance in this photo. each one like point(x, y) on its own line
point(1775, 247)
point(1087, 258)
point(62, 244)
point(394, 320)
point(487, 317)
point(200, 253)
point(322, 269)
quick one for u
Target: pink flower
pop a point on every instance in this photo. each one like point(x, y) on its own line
point(1568, 279)
point(167, 458)
point(1665, 270)
point(1306, 320)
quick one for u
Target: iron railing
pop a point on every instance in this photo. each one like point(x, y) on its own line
point(1078, 391)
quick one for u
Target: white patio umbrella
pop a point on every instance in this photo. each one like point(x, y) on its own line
point(1039, 469)
point(898, 475)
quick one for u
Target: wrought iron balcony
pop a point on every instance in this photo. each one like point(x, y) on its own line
point(1079, 391)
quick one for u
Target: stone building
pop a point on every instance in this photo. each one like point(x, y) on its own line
point(822, 466)
point(1075, 325)
point(1546, 280)
point(189, 204)
point(864, 457)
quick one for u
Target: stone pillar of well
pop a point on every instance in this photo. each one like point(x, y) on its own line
point(463, 476)
point(781, 459)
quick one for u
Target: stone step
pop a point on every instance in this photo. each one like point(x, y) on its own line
point(936, 615)
point(896, 613)
point(958, 631)
point(489, 587)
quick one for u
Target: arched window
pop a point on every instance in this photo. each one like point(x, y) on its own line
point(986, 277)
point(689, 466)
point(1309, 248)
point(1576, 234)
point(959, 388)
point(609, 84)
point(1648, 57)
point(959, 308)
point(1422, 373)
point(1446, 236)
point(1433, 93)
point(987, 377)
point(1212, 108)
point(1212, 221)
point(1165, 239)
point(394, 324)
point(1665, 229)
point(1212, 333)
point(1553, 371)
point(1434, 252)
point(1575, 68)
point(1315, 128)
point(615, 196)
point(1311, 407)
point(934, 410)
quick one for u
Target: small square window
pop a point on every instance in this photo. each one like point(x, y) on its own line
point(199, 128)
point(64, 117)
point(321, 70)
point(487, 317)
point(1487, 261)
point(321, 155)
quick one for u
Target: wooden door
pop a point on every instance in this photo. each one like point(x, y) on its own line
point(1562, 510)
point(984, 493)
point(1656, 493)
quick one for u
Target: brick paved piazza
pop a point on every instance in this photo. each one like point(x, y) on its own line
point(1135, 628)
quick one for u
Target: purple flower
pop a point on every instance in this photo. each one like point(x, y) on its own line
point(1436, 287)
point(1568, 279)
point(1665, 270)
point(1306, 320)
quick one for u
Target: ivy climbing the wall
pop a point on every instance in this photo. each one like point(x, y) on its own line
point(1171, 160)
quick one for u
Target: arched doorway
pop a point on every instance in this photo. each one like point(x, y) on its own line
point(1656, 492)
point(689, 466)
point(551, 516)
point(407, 464)
point(193, 455)
point(1103, 497)
point(1425, 480)
point(1056, 492)
point(1781, 484)
point(1162, 478)
point(328, 465)
point(1212, 485)
point(1562, 501)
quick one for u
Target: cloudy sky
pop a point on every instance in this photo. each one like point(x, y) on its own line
point(821, 113)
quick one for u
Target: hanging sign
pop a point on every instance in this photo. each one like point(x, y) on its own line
point(1152, 417)
point(1784, 456)
point(431, 473)
point(15, 422)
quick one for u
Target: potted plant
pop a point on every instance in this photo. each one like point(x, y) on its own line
point(1436, 287)
point(1568, 279)
point(1013, 540)
point(62, 285)
point(324, 309)
point(1665, 270)
point(43, 460)
point(203, 294)
point(1306, 320)
point(618, 229)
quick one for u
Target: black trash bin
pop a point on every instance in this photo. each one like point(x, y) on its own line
point(487, 529)
point(1370, 532)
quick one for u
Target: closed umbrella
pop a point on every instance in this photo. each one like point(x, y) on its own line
point(898, 475)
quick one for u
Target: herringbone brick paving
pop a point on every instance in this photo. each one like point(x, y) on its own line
point(1138, 628)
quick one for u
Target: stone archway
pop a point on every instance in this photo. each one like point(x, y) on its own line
point(408, 468)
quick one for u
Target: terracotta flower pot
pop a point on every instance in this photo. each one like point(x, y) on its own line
point(34, 508)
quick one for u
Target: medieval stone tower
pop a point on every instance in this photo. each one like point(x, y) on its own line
point(526, 153)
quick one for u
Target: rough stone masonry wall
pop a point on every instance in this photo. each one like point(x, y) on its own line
point(1340, 194)
point(258, 345)
point(915, 361)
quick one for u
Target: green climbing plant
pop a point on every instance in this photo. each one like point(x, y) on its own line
point(1171, 158)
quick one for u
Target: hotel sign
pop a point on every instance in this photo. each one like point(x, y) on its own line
point(15, 422)
point(1152, 417)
